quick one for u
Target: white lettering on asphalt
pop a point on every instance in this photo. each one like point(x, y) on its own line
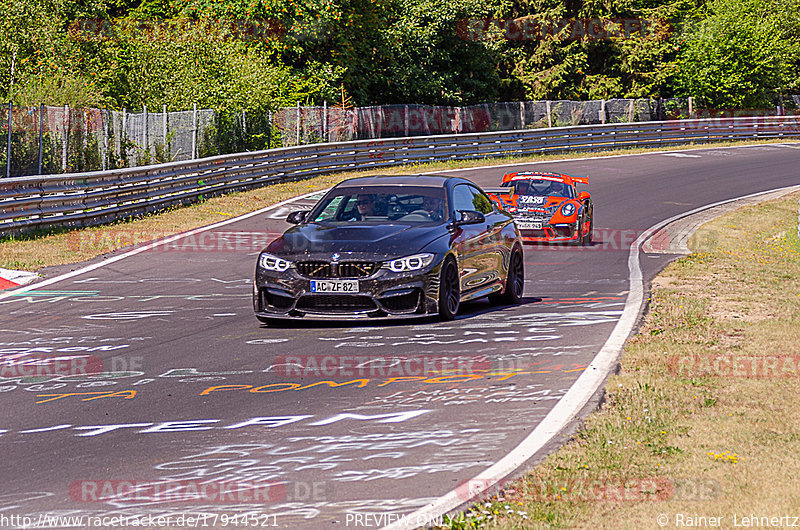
point(197, 425)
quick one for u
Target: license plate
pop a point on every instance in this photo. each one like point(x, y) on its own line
point(331, 286)
point(529, 225)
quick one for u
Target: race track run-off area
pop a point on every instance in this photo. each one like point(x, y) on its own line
point(144, 386)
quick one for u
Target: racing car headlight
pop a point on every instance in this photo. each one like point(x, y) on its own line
point(273, 263)
point(410, 263)
point(568, 209)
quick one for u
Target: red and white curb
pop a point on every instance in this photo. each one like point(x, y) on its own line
point(10, 278)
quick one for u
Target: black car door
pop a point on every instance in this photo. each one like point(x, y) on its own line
point(477, 262)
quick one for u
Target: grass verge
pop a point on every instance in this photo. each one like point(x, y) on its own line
point(58, 247)
point(701, 427)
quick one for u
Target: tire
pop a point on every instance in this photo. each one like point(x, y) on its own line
point(587, 237)
point(515, 281)
point(449, 290)
point(578, 240)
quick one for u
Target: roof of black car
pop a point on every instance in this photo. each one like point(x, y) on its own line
point(396, 180)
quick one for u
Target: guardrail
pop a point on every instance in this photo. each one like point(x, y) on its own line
point(82, 199)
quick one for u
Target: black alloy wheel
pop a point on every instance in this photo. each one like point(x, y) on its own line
point(515, 281)
point(449, 290)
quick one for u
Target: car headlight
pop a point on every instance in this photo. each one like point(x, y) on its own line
point(410, 263)
point(273, 263)
point(568, 209)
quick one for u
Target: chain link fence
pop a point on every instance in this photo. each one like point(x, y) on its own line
point(302, 125)
point(46, 140)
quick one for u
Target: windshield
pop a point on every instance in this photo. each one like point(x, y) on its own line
point(541, 188)
point(380, 204)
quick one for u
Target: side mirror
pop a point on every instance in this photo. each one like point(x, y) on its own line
point(470, 217)
point(582, 196)
point(297, 217)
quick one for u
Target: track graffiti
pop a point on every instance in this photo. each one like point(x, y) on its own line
point(263, 422)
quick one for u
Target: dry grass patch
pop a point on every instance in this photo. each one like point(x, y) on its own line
point(703, 419)
point(59, 247)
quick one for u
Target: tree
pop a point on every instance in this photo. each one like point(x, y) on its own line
point(741, 54)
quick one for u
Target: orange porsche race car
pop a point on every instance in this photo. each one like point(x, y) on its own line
point(547, 207)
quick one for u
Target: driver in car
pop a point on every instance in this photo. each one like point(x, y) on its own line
point(433, 207)
point(365, 206)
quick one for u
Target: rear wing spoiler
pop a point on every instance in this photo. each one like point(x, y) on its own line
point(569, 179)
point(580, 180)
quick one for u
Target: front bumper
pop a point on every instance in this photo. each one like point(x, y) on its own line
point(556, 233)
point(383, 294)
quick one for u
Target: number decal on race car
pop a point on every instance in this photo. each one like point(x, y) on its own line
point(533, 199)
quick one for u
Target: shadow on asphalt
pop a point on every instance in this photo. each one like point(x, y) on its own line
point(468, 310)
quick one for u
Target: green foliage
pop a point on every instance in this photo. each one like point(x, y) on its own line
point(266, 54)
point(741, 53)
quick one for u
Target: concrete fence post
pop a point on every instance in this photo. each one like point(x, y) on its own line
point(65, 139)
point(298, 124)
point(194, 131)
point(8, 149)
point(164, 130)
point(325, 121)
point(145, 147)
point(41, 137)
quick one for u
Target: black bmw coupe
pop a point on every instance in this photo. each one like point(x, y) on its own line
point(391, 246)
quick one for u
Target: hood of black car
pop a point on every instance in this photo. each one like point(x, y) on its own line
point(384, 239)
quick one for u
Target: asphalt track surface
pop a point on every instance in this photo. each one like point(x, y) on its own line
point(170, 399)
